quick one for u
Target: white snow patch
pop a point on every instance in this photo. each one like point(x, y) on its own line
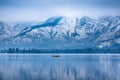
point(104, 44)
point(117, 41)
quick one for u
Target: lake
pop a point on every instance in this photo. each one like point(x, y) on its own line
point(64, 67)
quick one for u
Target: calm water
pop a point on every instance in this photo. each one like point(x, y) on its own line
point(65, 67)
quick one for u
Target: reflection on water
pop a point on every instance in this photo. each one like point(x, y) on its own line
point(65, 67)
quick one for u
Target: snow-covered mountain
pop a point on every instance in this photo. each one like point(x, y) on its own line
point(63, 32)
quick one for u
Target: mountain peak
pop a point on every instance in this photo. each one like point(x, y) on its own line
point(65, 32)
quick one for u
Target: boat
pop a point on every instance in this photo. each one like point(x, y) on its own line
point(56, 56)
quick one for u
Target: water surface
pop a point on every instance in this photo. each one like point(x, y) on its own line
point(65, 67)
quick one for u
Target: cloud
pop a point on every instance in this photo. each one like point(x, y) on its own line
point(20, 14)
point(34, 10)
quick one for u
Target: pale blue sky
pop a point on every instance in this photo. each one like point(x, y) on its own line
point(35, 10)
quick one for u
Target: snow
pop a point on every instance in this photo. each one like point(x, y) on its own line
point(93, 31)
point(104, 44)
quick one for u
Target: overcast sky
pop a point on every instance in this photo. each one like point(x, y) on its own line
point(35, 10)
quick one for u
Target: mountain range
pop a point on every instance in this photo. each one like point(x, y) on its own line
point(63, 33)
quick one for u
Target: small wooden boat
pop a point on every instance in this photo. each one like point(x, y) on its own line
point(56, 56)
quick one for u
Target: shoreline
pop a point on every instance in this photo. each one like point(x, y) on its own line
point(91, 54)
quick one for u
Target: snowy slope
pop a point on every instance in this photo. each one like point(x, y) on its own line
point(64, 32)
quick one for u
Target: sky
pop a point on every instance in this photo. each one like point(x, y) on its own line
point(36, 10)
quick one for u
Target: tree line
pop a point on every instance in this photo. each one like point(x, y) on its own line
point(35, 50)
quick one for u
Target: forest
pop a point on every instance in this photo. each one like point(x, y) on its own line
point(35, 50)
